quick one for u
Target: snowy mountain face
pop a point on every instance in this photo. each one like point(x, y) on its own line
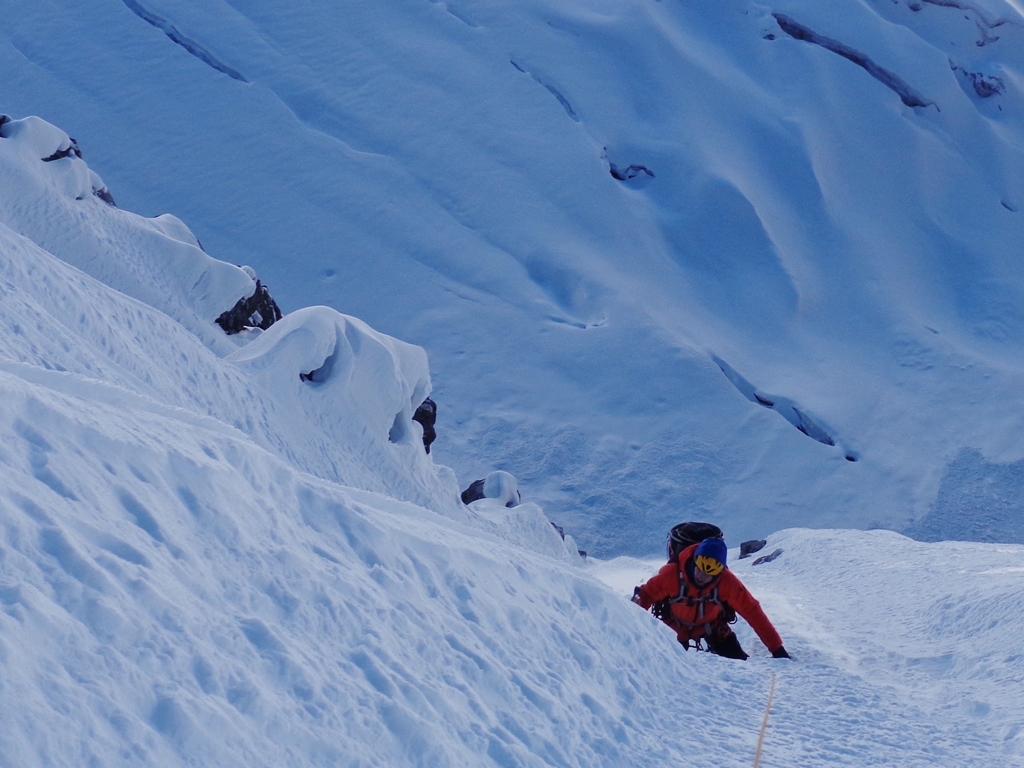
point(758, 263)
point(666, 259)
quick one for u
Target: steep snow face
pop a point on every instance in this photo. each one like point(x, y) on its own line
point(752, 262)
point(171, 594)
point(158, 261)
point(305, 389)
point(184, 580)
point(904, 653)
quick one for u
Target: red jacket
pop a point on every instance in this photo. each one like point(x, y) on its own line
point(689, 622)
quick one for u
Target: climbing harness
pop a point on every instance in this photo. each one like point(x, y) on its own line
point(725, 613)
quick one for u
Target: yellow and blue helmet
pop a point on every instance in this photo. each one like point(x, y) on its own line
point(711, 556)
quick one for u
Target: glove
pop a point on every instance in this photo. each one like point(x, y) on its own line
point(780, 653)
point(636, 595)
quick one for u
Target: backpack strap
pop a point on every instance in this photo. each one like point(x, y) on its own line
point(700, 602)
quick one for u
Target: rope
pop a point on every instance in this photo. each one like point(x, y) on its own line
point(764, 724)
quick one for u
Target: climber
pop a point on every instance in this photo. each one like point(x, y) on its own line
point(702, 597)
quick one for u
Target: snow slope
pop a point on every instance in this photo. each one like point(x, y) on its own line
point(187, 579)
point(644, 244)
point(195, 365)
point(905, 653)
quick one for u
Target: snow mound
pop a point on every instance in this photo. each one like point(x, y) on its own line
point(334, 376)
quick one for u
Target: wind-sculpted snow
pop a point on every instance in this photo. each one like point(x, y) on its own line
point(251, 561)
point(349, 386)
point(170, 594)
point(449, 172)
point(59, 319)
point(157, 261)
point(525, 525)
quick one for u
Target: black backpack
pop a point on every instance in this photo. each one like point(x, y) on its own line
point(683, 535)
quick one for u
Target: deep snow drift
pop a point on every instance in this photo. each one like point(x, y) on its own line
point(758, 262)
point(207, 559)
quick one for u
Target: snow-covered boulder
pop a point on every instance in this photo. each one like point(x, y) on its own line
point(334, 373)
point(497, 505)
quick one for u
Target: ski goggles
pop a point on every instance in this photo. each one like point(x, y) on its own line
point(708, 565)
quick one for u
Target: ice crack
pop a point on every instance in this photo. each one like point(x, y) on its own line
point(890, 80)
point(187, 43)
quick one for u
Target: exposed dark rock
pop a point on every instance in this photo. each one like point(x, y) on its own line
point(4, 119)
point(785, 407)
point(559, 96)
point(256, 311)
point(71, 149)
point(984, 85)
point(474, 492)
point(767, 558)
point(496, 485)
point(747, 548)
point(630, 172)
point(426, 416)
point(566, 104)
point(810, 427)
point(104, 194)
point(889, 79)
